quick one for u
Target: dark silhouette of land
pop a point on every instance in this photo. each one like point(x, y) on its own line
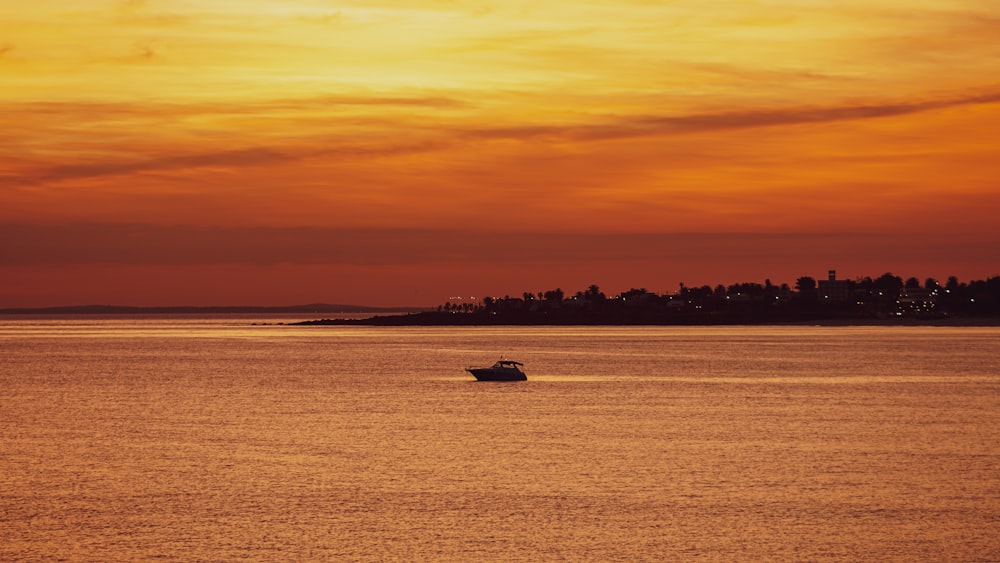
point(887, 299)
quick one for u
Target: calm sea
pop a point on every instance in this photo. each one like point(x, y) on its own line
point(188, 439)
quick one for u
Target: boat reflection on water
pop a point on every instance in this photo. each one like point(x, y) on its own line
point(502, 370)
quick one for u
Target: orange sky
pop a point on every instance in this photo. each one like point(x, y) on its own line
point(264, 152)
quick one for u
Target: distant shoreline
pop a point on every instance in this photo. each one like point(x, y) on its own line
point(445, 319)
point(415, 317)
point(312, 309)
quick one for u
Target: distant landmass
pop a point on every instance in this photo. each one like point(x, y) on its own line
point(887, 299)
point(314, 308)
point(434, 318)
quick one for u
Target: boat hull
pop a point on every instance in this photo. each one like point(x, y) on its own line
point(489, 374)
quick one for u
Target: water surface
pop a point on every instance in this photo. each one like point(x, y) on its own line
point(193, 439)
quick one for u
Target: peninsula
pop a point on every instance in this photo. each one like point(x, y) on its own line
point(887, 299)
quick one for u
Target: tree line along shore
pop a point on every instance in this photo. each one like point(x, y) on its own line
point(887, 299)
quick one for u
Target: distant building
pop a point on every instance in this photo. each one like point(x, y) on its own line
point(832, 289)
point(917, 301)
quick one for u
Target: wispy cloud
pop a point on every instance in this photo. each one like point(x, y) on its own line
point(223, 158)
point(241, 158)
point(637, 126)
point(89, 109)
point(382, 140)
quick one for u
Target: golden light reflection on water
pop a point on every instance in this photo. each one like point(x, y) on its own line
point(225, 441)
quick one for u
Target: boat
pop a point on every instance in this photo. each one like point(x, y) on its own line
point(502, 370)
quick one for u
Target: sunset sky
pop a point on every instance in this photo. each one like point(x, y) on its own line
point(273, 152)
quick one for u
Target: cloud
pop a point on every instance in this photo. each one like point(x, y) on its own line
point(244, 157)
point(382, 139)
point(358, 100)
point(652, 125)
point(91, 109)
point(239, 158)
